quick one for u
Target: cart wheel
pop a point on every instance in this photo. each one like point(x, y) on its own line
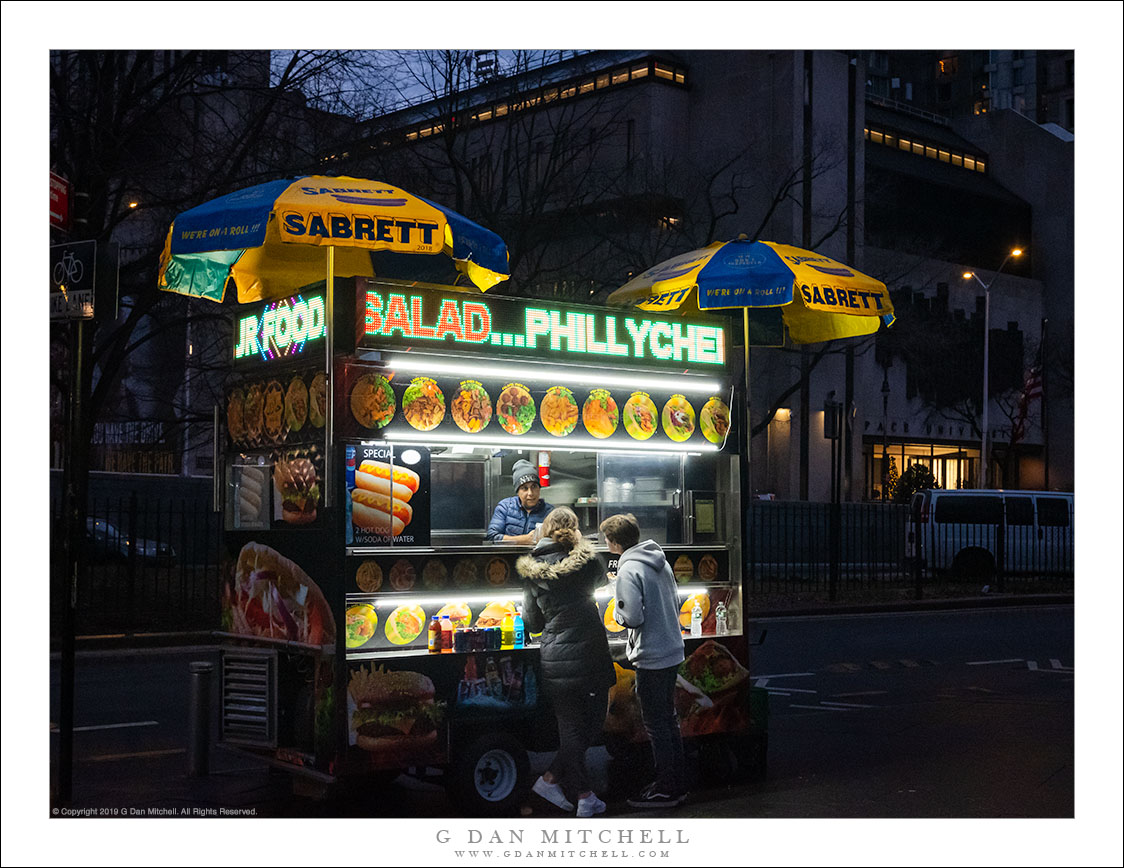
point(491, 775)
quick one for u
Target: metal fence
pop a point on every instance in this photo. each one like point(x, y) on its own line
point(801, 547)
point(789, 546)
point(151, 565)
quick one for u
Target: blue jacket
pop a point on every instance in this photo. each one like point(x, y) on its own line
point(512, 519)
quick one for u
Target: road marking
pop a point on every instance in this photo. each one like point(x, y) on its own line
point(113, 757)
point(792, 689)
point(843, 667)
point(846, 704)
point(989, 662)
point(879, 664)
point(777, 693)
point(818, 707)
point(862, 693)
point(1055, 666)
point(786, 675)
point(910, 664)
point(55, 726)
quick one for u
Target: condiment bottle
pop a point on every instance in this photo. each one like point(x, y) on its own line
point(435, 639)
point(446, 634)
point(507, 632)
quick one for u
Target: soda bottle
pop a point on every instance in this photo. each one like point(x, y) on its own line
point(446, 634)
point(696, 620)
point(720, 625)
point(435, 635)
point(520, 631)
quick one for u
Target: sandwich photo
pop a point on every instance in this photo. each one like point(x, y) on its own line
point(273, 597)
point(393, 715)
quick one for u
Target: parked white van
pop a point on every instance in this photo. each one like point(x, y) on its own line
point(972, 533)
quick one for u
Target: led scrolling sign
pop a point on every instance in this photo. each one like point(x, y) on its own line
point(536, 329)
point(283, 328)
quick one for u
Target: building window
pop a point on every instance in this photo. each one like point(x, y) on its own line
point(665, 72)
point(947, 66)
point(904, 144)
point(639, 71)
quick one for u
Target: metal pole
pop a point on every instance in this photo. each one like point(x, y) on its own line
point(985, 465)
point(75, 474)
point(199, 726)
point(330, 407)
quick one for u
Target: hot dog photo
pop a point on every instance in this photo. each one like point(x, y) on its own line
point(385, 498)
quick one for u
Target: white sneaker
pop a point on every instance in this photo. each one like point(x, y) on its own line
point(553, 794)
point(590, 805)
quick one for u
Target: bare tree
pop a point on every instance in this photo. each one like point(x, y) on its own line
point(143, 135)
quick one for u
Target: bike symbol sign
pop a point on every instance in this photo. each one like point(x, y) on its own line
point(72, 280)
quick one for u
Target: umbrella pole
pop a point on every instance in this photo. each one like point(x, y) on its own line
point(748, 421)
point(330, 407)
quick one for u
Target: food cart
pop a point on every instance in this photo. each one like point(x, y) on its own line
point(434, 394)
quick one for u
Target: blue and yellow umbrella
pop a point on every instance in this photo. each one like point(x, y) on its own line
point(270, 240)
point(820, 298)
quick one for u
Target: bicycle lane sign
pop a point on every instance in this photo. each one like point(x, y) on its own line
point(72, 280)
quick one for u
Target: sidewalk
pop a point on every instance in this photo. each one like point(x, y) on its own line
point(154, 783)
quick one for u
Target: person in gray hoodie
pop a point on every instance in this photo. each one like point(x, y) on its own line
point(648, 605)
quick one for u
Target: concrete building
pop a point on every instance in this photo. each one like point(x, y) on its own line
point(604, 163)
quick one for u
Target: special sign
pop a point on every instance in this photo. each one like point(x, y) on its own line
point(521, 328)
point(280, 328)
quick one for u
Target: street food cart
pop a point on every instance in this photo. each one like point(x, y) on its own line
point(433, 395)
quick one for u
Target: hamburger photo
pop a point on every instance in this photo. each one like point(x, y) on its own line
point(494, 613)
point(299, 486)
point(394, 716)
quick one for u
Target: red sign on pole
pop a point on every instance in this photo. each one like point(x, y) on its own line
point(60, 202)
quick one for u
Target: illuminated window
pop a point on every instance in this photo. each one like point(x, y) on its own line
point(904, 144)
point(603, 80)
point(918, 148)
point(411, 136)
point(550, 95)
point(587, 86)
point(664, 72)
point(620, 77)
point(570, 91)
point(640, 71)
point(501, 110)
point(943, 156)
point(957, 160)
point(980, 166)
point(930, 152)
point(969, 163)
point(485, 115)
point(877, 137)
point(680, 78)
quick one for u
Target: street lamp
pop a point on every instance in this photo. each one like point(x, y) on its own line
point(985, 465)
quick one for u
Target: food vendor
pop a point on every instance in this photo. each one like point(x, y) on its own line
point(516, 518)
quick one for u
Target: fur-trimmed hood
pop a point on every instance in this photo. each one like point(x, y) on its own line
point(549, 562)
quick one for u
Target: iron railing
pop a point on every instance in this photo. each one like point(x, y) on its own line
point(150, 565)
point(788, 548)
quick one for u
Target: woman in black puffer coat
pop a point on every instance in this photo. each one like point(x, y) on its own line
point(577, 670)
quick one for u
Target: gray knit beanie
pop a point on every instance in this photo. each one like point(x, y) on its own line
point(522, 472)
